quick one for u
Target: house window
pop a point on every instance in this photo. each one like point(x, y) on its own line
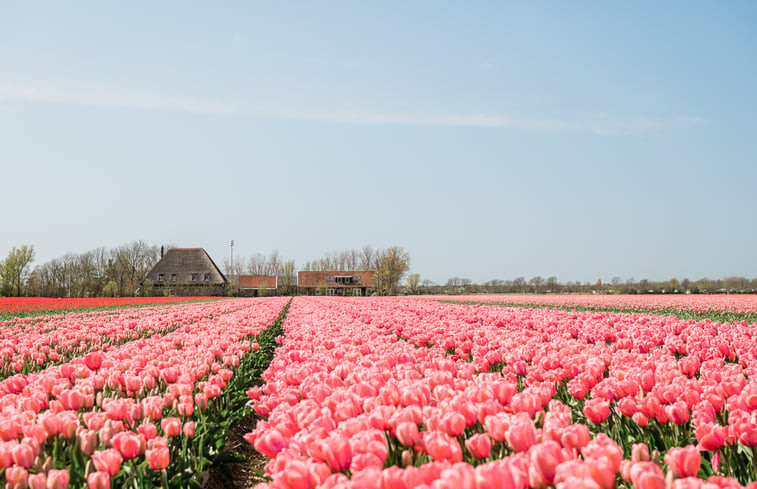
point(173, 277)
point(194, 277)
point(160, 277)
point(206, 277)
point(329, 279)
point(344, 280)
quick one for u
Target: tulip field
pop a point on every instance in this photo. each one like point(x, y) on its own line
point(378, 393)
point(24, 306)
point(385, 393)
point(721, 307)
point(130, 398)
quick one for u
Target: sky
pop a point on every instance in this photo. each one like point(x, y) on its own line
point(491, 140)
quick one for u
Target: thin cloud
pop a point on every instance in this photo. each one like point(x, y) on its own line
point(96, 96)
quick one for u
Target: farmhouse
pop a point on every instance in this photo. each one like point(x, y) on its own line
point(187, 272)
point(337, 282)
point(256, 285)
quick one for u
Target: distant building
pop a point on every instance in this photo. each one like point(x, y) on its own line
point(256, 285)
point(186, 272)
point(337, 283)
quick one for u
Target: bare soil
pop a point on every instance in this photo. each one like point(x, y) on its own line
point(238, 475)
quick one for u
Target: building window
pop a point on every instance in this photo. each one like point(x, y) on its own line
point(173, 277)
point(344, 280)
point(358, 292)
point(194, 277)
point(206, 277)
point(329, 279)
point(160, 277)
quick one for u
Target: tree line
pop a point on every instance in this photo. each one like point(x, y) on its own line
point(118, 272)
point(102, 272)
point(390, 264)
point(550, 285)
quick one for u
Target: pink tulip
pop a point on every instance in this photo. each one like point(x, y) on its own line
point(87, 441)
point(98, 480)
point(23, 455)
point(17, 476)
point(684, 462)
point(597, 410)
point(710, 437)
point(453, 424)
point(189, 429)
point(158, 458)
point(171, 426)
point(270, 443)
point(544, 457)
point(407, 434)
point(498, 474)
point(295, 476)
point(336, 452)
point(575, 436)
point(57, 479)
point(521, 434)
point(479, 445)
point(640, 452)
point(107, 461)
point(678, 412)
point(647, 475)
point(441, 447)
point(37, 481)
point(127, 443)
point(497, 426)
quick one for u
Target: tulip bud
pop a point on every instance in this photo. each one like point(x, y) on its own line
point(57, 479)
point(98, 480)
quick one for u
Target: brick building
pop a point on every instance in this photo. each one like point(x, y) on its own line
point(333, 282)
point(257, 285)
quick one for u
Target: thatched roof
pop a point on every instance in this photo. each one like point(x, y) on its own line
point(186, 266)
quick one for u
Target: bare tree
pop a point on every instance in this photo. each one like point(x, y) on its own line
point(519, 283)
point(412, 283)
point(287, 278)
point(393, 263)
point(14, 271)
point(536, 282)
point(367, 258)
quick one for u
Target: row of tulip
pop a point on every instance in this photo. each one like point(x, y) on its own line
point(151, 412)
point(20, 306)
point(32, 344)
point(701, 303)
point(403, 393)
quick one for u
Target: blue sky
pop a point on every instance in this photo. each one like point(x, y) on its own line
point(489, 139)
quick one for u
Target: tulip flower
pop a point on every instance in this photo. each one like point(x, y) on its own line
point(127, 443)
point(158, 458)
point(107, 461)
point(57, 479)
point(684, 462)
point(98, 480)
point(479, 445)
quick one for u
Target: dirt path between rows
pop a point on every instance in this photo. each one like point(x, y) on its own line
point(238, 475)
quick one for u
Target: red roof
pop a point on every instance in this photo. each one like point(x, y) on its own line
point(363, 278)
point(257, 282)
